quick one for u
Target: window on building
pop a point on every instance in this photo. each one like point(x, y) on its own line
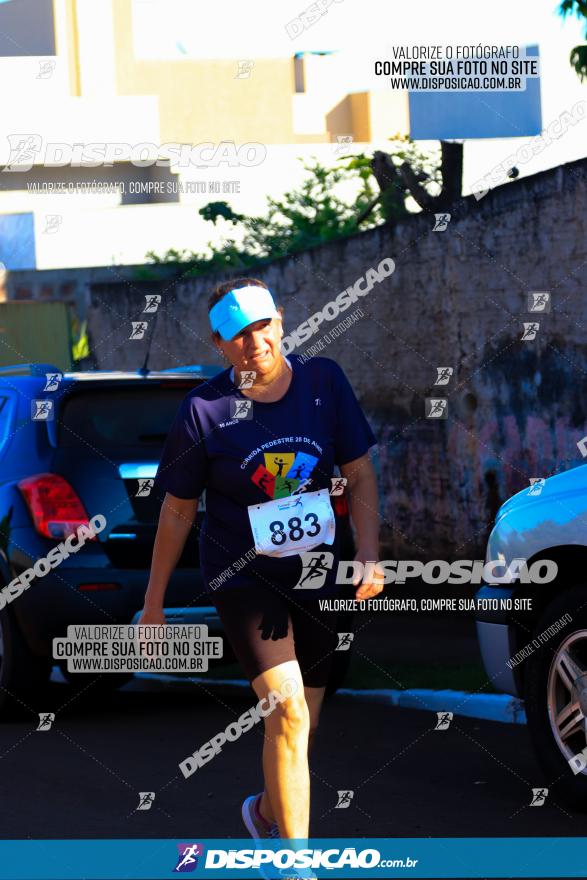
point(300, 79)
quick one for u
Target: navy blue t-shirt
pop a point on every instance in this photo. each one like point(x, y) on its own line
point(243, 461)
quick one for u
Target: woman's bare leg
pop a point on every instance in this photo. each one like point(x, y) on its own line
point(314, 698)
point(286, 799)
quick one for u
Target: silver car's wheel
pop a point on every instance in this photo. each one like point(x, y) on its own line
point(555, 691)
point(567, 695)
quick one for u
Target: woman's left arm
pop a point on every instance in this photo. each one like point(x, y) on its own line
point(364, 510)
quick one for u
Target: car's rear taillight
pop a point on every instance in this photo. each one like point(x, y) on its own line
point(339, 505)
point(54, 506)
point(97, 587)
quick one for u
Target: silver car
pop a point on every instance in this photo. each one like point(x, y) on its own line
point(534, 638)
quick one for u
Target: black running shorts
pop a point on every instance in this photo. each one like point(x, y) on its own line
point(268, 625)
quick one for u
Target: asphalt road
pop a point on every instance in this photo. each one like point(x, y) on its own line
point(81, 779)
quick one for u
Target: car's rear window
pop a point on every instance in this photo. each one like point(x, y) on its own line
point(111, 417)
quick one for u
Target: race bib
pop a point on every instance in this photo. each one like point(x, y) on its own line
point(287, 526)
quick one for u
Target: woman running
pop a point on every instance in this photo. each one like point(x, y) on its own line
point(263, 437)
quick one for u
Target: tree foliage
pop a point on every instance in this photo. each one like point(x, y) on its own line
point(578, 56)
point(329, 204)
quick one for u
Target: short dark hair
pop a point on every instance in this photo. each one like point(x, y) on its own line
point(222, 289)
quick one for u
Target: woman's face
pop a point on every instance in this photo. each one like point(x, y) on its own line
point(257, 347)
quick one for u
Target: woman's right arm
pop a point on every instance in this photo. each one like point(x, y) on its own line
point(175, 521)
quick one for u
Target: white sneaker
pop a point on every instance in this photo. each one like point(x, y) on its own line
point(297, 874)
point(259, 829)
point(256, 825)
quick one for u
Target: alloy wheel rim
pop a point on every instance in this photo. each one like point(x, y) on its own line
point(567, 695)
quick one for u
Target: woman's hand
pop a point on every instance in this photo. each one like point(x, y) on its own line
point(152, 616)
point(373, 575)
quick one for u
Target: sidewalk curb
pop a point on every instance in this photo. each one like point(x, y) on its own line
point(490, 707)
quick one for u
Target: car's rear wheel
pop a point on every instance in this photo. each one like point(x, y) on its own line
point(23, 675)
point(556, 696)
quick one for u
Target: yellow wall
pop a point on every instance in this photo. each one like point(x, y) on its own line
point(202, 100)
point(68, 46)
point(379, 115)
point(205, 100)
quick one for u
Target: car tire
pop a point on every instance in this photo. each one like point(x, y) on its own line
point(23, 675)
point(556, 662)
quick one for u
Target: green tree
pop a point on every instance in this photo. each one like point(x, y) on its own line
point(330, 203)
point(578, 56)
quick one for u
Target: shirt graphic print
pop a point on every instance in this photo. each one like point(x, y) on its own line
point(288, 446)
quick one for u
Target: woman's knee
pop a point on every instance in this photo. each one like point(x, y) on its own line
point(291, 717)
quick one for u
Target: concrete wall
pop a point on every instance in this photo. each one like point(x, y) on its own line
point(457, 298)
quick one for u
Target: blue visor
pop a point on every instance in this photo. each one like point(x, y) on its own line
point(241, 307)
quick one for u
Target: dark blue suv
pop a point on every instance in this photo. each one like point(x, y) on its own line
point(72, 446)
